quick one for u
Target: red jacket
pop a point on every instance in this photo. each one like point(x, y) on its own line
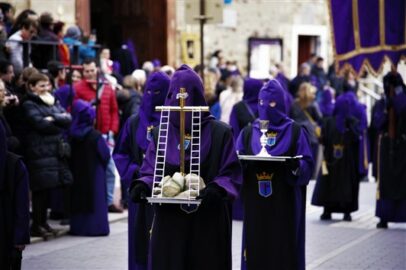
point(107, 110)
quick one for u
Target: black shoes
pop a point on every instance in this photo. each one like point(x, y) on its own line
point(39, 231)
point(115, 209)
point(382, 225)
point(347, 217)
point(325, 216)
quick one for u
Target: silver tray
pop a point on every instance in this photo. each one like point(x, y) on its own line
point(270, 158)
point(173, 201)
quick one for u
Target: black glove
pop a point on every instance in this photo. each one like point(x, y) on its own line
point(212, 195)
point(293, 165)
point(138, 192)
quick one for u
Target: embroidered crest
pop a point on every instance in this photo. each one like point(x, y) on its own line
point(149, 133)
point(338, 151)
point(271, 138)
point(186, 142)
point(265, 184)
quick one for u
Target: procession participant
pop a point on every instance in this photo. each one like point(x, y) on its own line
point(88, 208)
point(14, 207)
point(242, 114)
point(338, 187)
point(201, 239)
point(274, 193)
point(389, 120)
point(128, 155)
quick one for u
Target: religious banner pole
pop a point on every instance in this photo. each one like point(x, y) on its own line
point(202, 21)
point(182, 96)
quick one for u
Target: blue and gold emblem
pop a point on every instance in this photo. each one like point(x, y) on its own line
point(271, 138)
point(149, 133)
point(265, 184)
point(338, 151)
point(188, 138)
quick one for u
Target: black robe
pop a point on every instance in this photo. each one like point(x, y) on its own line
point(14, 210)
point(274, 227)
point(338, 190)
point(200, 240)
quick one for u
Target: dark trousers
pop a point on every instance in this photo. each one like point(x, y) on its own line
point(39, 207)
point(16, 258)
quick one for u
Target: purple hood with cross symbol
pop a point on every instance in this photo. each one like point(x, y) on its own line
point(186, 78)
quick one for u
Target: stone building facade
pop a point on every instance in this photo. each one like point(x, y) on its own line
point(285, 19)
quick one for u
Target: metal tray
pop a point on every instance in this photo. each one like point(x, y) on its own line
point(173, 201)
point(270, 158)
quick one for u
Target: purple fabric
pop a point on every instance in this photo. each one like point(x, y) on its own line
point(272, 94)
point(186, 78)
point(65, 95)
point(368, 19)
point(156, 89)
point(156, 63)
point(348, 106)
point(95, 223)
point(122, 154)
point(251, 91)
point(83, 116)
point(326, 103)
point(131, 49)
point(369, 23)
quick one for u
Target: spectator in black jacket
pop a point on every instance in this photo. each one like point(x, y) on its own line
point(46, 152)
point(41, 53)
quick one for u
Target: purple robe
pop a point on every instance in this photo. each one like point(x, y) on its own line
point(286, 191)
point(185, 241)
point(391, 172)
point(130, 148)
point(89, 215)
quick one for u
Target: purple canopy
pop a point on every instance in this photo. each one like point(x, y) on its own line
point(365, 32)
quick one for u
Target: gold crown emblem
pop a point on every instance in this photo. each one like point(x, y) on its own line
point(271, 134)
point(338, 146)
point(264, 176)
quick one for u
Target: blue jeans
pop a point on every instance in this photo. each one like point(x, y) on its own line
point(110, 181)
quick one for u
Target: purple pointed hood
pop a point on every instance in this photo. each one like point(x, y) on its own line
point(186, 78)
point(156, 89)
point(251, 91)
point(83, 116)
point(272, 103)
point(326, 103)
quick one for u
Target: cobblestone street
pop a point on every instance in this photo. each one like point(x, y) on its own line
point(330, 245)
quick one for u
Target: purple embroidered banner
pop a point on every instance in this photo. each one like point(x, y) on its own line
point(366, 32)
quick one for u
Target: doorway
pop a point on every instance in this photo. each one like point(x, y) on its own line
point(308, 45)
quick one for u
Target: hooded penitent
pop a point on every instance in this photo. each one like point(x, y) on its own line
point(187, 79)
point(251, 91)
point(156, 89)
point(326, 103)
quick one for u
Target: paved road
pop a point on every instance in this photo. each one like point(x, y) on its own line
point(330, 245)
